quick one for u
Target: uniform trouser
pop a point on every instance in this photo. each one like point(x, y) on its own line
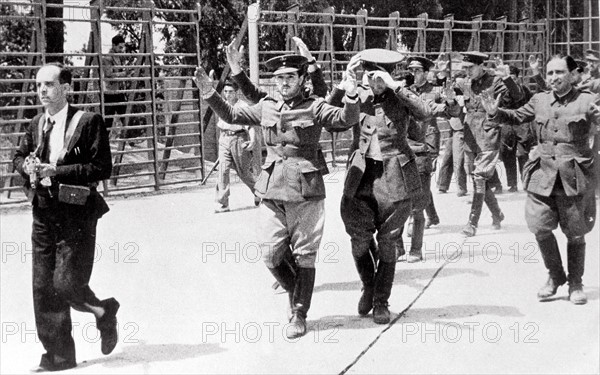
point(453, 161)
point(420, 203)
point(508, 154)
point(430, 209)
point(233, 155)
point(291, 226)
point(483, 172)
point(113, 109)
point(63, 240)
point(576, 216)
point(370, 212)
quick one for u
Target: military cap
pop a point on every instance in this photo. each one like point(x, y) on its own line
point(580, 65)
point(420, 62)
point(592, 55)
point(514, 70)
point(380, 59)
point(474, 58)
point(287, 64)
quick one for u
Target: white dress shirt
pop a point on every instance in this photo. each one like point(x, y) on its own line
point(57, 135)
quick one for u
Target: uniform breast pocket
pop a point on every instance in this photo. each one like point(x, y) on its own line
point(540, 124)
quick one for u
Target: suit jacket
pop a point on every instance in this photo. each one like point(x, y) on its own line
point(86, 162)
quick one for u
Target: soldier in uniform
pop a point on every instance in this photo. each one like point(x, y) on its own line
point(424, 140)
point(559, 176)
point(236, 143)
point(382, 177)
point(291, 182)
point(486, 147)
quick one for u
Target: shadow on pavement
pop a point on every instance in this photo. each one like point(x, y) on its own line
point(414, 315)
point(144, 354)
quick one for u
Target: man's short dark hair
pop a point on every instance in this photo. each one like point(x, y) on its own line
point(231, 84)
point(64, 74)
point(571, 63)
point(118, 39)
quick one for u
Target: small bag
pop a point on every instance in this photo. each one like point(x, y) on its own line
point(73, 194)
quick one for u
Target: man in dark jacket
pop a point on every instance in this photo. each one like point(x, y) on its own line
point(64, 154)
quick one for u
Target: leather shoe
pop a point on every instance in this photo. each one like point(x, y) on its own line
point(49, 363)
point(107, 325)
point(431, 221)
point(549, 289)
point(469, 230)
point(461, 193)
point(257, 201)
point(576, 294)
point(381, 314)
point(497, 220)
point(413, 258)
point(297, 327)
point(513, 189)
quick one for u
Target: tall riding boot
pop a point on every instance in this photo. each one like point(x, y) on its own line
point(478, 196)
point(553, 262)
point(305, 283)
point(575, 264)
point(384, 278)
point(492, 203)
point(365, 265)
point(416, 244)
point(285, 274)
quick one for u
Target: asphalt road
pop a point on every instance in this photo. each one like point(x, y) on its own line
point(196, 298)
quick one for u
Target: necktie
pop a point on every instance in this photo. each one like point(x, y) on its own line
point(46, 140)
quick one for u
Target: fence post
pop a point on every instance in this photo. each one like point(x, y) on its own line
point(475, 42)
point(394, 23)
point(292, 27)
point(421, 42)
point(253, 16)
point(522, 43)
point(327, 41)
point(498, 48)
point(361, 27)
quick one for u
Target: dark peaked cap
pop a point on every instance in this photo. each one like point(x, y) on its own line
point(474, 57)
point(420, 62)
point(380, 59)
point(287, 64)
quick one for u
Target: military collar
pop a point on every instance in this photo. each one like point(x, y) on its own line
point(293, 102)
point(480, 79)
point(422, 88)
point(565, 98)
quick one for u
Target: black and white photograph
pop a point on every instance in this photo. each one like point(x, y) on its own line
point(299, 186)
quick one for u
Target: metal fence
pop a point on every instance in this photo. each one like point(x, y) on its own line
point(162, 140)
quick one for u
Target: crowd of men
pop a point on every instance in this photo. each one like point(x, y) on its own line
point(396, 141)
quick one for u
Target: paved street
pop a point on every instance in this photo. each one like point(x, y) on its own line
point(196, 298)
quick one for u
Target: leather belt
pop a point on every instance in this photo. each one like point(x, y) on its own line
point(232, 133)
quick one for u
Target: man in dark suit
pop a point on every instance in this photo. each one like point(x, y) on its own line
point(64, 154)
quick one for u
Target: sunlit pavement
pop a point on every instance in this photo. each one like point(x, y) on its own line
point(196, 298)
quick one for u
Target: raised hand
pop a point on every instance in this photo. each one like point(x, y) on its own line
point(534, 64)
point(348, 83)
point(489, 103)
point(234, 57)
point(202, 80)
point(449, 93)
point(304, 51)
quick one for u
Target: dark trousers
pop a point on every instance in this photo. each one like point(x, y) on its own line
point(370, 212)
point(508, 154)
point(113, 109)
point(63, 239)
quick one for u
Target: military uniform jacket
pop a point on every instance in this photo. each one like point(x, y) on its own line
point(424, 135)
point(295, 164)
point(86, 162)
point(563, 126)
point(486, 133)
point(390, 113)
